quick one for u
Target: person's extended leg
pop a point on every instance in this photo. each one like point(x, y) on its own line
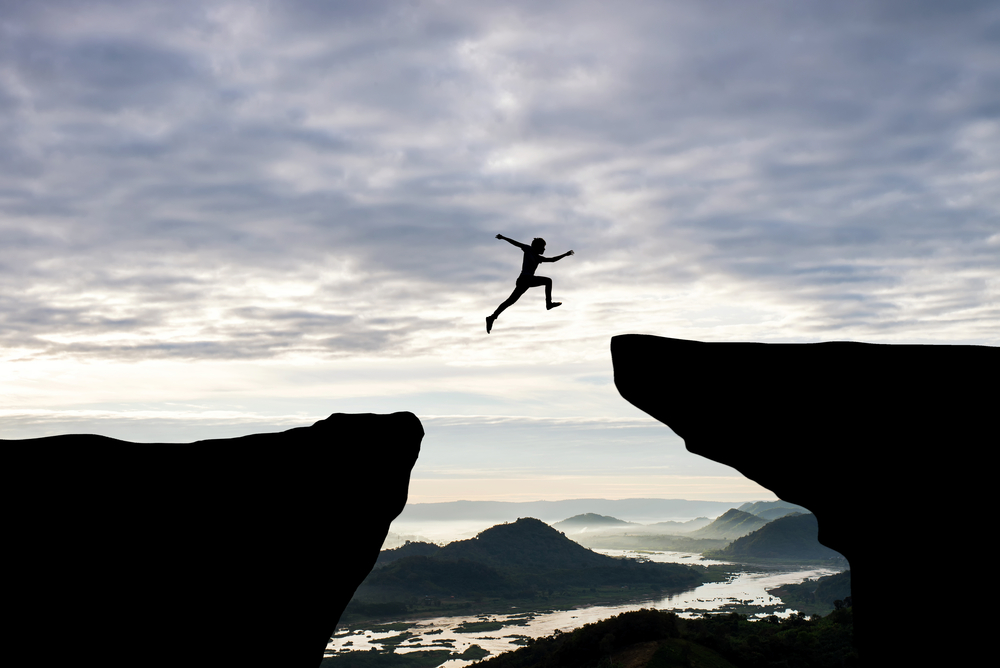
point(547, 282)
point(514, 296)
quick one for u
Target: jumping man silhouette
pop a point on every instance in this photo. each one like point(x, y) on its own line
point(527, 279)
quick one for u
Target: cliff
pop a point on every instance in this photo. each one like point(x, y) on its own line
point(838, 428)
point(214, 553)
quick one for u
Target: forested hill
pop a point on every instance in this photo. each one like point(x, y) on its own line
point(410, 549)
point(790, 537)
point(730, 525)
point(525, 544)
point(515, 560)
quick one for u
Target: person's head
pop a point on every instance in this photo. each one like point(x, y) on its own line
point(538, 244)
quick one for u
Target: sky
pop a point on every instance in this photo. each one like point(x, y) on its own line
point(221, 218)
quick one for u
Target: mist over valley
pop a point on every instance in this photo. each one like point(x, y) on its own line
point(447, 578)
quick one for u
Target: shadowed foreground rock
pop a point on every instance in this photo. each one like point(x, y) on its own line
point(229, 552)
point(848, 430)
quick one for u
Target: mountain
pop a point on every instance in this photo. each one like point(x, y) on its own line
point(591, 522)
point(730, 525)
point(527, 543)
point(513, 560)
point(791, 537)
point(775, 513)
point(409, 549)
point(771, 510)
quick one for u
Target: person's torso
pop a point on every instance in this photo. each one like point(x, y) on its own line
point(530, 263)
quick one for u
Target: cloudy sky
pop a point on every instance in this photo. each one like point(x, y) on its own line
point(218, 218)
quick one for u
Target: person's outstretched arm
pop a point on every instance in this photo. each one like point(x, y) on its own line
point(557, 257)
point(523, 247)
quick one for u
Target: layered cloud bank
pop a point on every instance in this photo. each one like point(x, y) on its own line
point(255, 209)
point(208, 180)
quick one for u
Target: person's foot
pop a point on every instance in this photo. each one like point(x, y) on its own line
point(489, 323)
point(553, 305)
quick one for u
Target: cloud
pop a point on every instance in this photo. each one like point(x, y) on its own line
point(248, 181)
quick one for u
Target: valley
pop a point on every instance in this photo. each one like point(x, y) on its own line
point(516, 582)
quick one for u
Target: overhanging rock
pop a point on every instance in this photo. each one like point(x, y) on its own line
point(886, 444)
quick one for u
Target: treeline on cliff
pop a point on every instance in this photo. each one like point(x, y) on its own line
point(522, 559)
point(661, 639)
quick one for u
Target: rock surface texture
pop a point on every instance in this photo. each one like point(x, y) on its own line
point(866, 436)
point(229, 552)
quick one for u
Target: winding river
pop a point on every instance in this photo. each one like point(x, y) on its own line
point(748, 588)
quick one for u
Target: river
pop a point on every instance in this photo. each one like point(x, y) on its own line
point(748, 588)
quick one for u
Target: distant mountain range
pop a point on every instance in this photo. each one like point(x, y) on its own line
point(594, 523)
point(672, 526)
point(593, 529)
point(772, 510)
point(698, 535)
point(736, 534)
point(635, 510)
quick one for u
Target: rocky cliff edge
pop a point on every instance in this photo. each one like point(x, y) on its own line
point(851, 431)
point(229, 552)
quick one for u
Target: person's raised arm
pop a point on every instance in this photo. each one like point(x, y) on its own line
point(515, 243)
point(558, 257)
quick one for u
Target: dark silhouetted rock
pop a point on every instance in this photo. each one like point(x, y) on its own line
point(229, 552)
point(839, 428)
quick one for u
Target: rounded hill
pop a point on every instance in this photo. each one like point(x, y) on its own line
point(526, 543)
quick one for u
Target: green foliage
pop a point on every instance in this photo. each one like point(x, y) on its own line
point(713, 641)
